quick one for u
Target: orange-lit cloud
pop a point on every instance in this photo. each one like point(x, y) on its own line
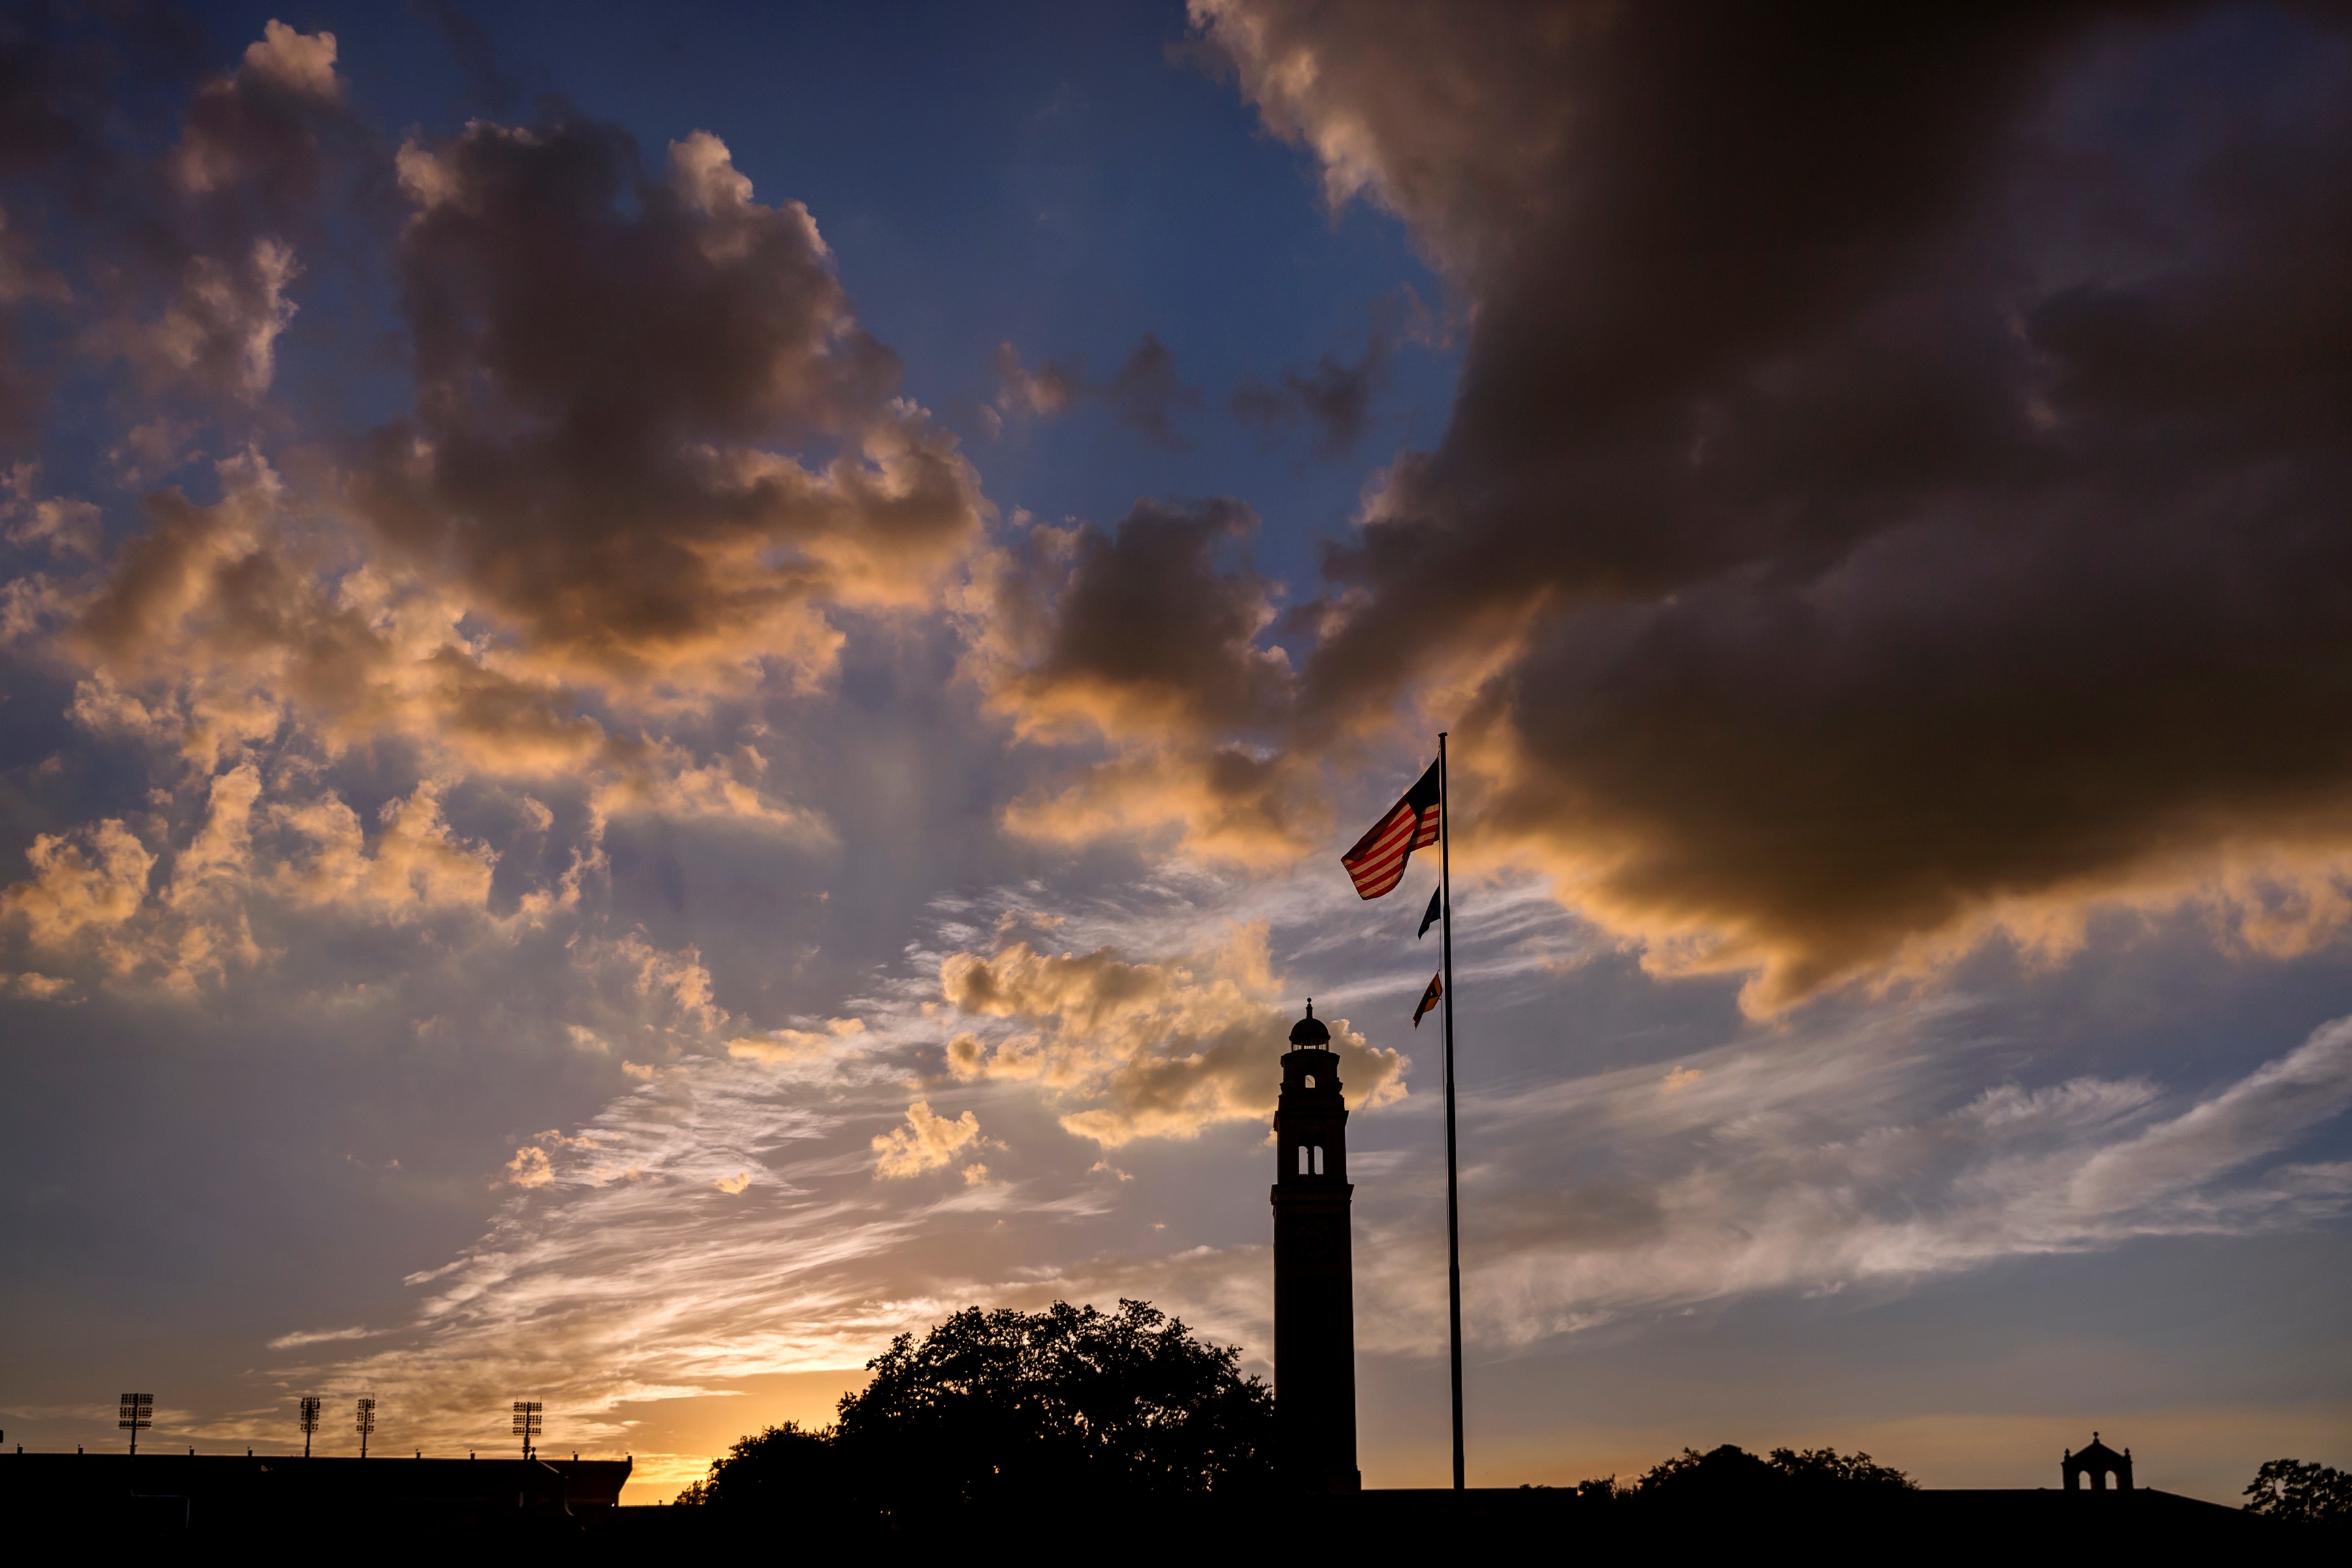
point(926, 1142)
point(1142, 1049)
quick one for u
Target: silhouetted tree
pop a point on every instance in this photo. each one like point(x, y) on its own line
point(786, 1467)
point(1828, 1468)
point(1725, 1474)
point(1070, 1407)
point(2310, 1494)
point(999, 1406)
point(1731, 1475)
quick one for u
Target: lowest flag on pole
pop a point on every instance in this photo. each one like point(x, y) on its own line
point(1428, 1000)
point(1376, 865)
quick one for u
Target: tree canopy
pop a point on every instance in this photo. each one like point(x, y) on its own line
point(1730, 1473)
point(996, 1408)
point(2310, 1494)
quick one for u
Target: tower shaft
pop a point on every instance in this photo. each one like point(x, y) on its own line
point(1313, 1285)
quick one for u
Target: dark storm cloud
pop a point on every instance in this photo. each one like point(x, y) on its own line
point(1898, 478)
point(1146, 638)
point(1148, 618)
point(606, 360)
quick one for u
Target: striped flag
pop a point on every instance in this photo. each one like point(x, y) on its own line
point(1376, 865)
point(1428, 1000)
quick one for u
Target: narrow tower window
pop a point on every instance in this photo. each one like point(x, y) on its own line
point(1310, 1081)
point(1318, 1159)
point(1303, 1167)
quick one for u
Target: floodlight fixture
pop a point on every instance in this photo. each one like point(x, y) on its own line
point(137, 1416)
point(310, 1420)
point(526, 1423)
point(365, 1419)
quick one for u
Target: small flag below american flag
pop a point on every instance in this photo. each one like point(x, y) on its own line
point(1376, 865)
point(1428, 1000)
point(1435, 912)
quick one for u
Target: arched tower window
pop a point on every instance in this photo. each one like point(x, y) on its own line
point(1318, 1159)
point(1303, 1167)
point(1310, 1081)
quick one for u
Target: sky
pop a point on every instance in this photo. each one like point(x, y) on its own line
point(680, 686)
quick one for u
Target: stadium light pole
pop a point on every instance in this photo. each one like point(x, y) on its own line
point(137, 1412)
point(365, 1420)
point(526, 1423)
point(310, 1420)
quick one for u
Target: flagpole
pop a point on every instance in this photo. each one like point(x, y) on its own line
point(1453, 1209)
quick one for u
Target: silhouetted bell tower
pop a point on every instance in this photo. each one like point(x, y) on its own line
point(1314, 1282)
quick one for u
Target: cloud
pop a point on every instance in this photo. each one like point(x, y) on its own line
point(195, 293)
point(1145, 394)
point(92, 880)
point(1822, 1153)
point(1142, 1049)
point(652, 461)
point(59, 524)
point(1784, 1171)
point(255, 857)
point(35, 985)
point(780, 1046)
point(530, 1168)
point(1044, 393)
point(924, 1144)
point(221, 328)
point(650, 1284)
point(318, 1337)
point(1769, 564)
point(674, 980)
point(606, 360)
point(1138, 631)
point(262, 126)
point(418, 863)
point(1145, 638)
point(214, 624)
point(474, 53)
point(1334, 396)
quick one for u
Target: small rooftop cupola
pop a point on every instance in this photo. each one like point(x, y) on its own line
point(1314, 1285)
point(2097, 1462)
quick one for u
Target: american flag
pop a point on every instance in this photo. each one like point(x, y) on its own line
point(1376, 865)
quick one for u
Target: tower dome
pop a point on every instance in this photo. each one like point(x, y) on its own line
point(1309, 1032)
